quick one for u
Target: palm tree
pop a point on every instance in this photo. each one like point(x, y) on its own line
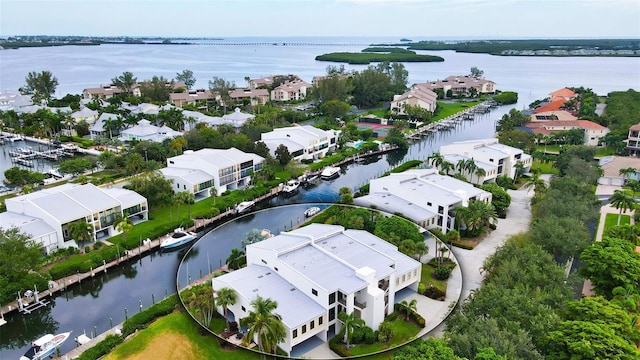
point(627, 172)
point(622, 201)
point(461, 166)
point(421, 249)
point(124, 225)
point(477, 215)
point(189, 198)
point(536, 183)
point(436, 159)
point(224, 298)
point(213, 192)
point(409, 307)
point(81, 230)
point(234, 259)
point(264, 325)
point(480, 172)
point(446, 166)
point(350, 322)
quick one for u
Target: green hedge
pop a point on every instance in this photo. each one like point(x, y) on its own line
point(336, 345)
point(142, 319)
point(102, 348)
point(414, 316)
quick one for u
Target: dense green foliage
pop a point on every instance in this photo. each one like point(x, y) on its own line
point(622, 111)
point(102, 348)
point(19, 261)
point(369, 57)
point(505, 98)
point(496, 47)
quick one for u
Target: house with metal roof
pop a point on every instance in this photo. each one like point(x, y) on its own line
point(422, 195)
point(316, 272)
point(99, 129)
point(490, 151)
point(223, 169)
point(47, 215)
point(303, 142)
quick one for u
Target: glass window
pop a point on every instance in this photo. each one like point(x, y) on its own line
point(312, 324)
point(295, 333)
point(320, 320)
point(304, 329)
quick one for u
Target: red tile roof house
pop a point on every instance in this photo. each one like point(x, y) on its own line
point(290, 90)
point(557, 100)
point(592, 132)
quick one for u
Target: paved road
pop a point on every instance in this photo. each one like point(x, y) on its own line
point(471, 261)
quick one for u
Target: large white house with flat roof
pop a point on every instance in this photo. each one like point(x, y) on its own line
point(422, 195)
point(47, 215)
point(303, 142)
point(486, 152)
point(199, 171)
point(316, 272)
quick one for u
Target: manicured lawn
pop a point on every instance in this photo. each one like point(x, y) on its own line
point(176, 336)
point(403, 332)
point(553, 148)
point(612, 220)
point(545, 167)
point(448, 109)
point(381, 113)
point(427, 279)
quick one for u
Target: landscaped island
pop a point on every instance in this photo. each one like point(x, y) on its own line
point(378, 54)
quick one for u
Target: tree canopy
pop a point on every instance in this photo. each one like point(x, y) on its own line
point(41, 85)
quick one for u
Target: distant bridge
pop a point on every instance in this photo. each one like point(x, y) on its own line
point(277, 44)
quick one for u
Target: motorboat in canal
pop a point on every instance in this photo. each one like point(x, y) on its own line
point(45, 346)
point(311, 211)
point(330, 172)
point(179, 238)
point(291, 187)
point(244, 206)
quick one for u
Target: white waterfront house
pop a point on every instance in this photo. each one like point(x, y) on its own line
point(146, 131)
point(198, 171)
point(422, 195)
point(46, 215)
point(303, 142)
point(490, 152)
point(316, 272)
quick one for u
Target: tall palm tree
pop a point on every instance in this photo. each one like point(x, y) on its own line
point(224, 298)
point(234, 260)
point(264, 325)
point(480, 172)
point(350, 323)
point(213, 192)
point(627, 172)
point(477, 215)
point(461, 166)
point(81, 230)
point(436, 159)
point(622, 201)
point(124, 225)
point(446, 166)
point(536, 183)
point(409, 307)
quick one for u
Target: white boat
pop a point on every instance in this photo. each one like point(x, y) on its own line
point(291, 187)
point(178, 238)
point(244, 206)
point(45, 346)
point(311, 211)
point(330, 172)
point(14, 137)
point(55, 172)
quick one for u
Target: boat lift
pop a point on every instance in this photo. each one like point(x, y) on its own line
point(26, 308)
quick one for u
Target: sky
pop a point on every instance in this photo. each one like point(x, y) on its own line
point(494, 19)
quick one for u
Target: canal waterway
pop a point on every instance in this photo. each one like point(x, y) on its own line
point(95, 304)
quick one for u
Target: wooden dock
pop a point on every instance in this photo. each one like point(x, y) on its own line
point(450, 122)
point(200, 226)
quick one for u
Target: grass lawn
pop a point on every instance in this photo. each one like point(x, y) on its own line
point(381, 113)
point(545, 167)
point(175, 336)
point(403, 332)
point(428, 279)
point(448, 109)
point(553, 148)
point(612, 220)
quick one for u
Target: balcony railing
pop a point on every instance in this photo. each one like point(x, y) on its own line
point(360, 305)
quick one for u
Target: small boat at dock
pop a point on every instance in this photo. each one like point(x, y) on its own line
point(45, 346)
point(330, 172)
point(244, 206)
point(291, 187)
point(179, 238)
point(311, 211)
